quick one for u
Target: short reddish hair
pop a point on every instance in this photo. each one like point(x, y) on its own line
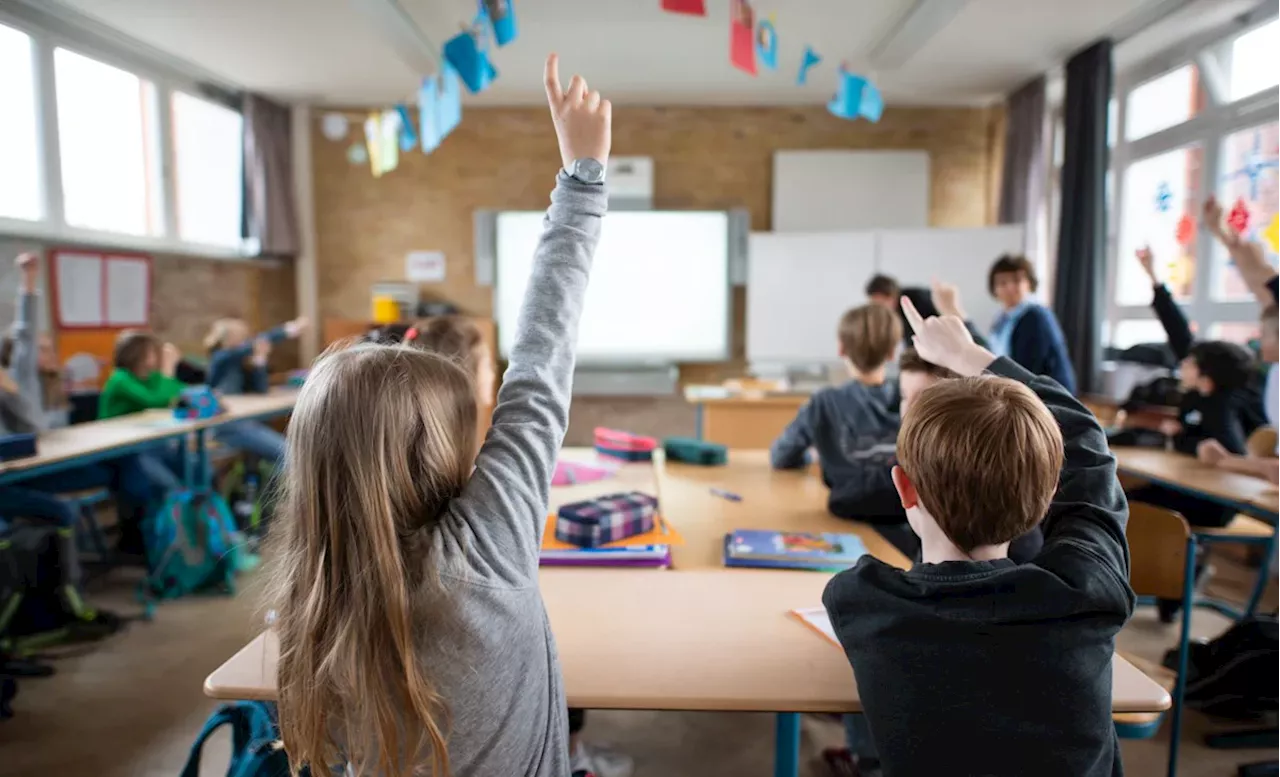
point(984, 455)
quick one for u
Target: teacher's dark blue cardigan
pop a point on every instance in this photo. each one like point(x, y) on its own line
point(1038, 345)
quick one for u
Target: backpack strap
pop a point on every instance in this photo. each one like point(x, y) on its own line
point(242, 721)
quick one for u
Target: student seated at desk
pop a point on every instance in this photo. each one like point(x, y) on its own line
point(968, 663)
point(853, 426)
point(412, 631)
point(238, 365)
point(143, 379)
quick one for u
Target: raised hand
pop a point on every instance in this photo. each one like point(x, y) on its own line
point(582, 119)
point(1148, 262)
point(946, 342)
point(946, 298)
point(261, 351)
point(297, 326)
point(169, 358)
point(29, 265)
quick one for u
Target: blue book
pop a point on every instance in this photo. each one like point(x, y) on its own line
point(792, 550)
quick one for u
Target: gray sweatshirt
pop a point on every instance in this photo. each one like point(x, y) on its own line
point(21, 413)
point(501, 675)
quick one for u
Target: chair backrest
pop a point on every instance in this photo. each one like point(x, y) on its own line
point(1157, 550)
point(1262, 443)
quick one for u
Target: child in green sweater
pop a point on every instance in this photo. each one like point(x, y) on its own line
point(143, 378)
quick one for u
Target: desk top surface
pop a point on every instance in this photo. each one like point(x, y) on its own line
point(708, 638)
point(82, 440)
point(1187, 473)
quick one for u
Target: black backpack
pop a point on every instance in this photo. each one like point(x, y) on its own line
point(1235, 674)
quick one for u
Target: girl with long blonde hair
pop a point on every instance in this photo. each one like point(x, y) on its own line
point(413, 637)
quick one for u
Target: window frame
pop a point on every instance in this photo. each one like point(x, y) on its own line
point(53, 228)
point(1209, 128)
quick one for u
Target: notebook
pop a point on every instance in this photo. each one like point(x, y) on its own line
point(817, 619)
point(658, 556)
point(792, 550)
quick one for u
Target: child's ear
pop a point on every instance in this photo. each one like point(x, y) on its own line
point(906, 489)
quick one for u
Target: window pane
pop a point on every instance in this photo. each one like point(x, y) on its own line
point(1160, 195)
point(19, 160)
point(1243, 332)
point(208, 163)
point(106, 131)
point(1253, 60)
point(1248, 186)
point(1163, 102)
point(1131, 332)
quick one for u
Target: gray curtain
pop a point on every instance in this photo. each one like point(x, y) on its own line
point(1082, 232)
point(270, 213)
point(1022, 180)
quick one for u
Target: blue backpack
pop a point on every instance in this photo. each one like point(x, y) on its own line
point(191, 545)
point(255, 749)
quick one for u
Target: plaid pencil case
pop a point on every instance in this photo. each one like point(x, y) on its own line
point(605, 519)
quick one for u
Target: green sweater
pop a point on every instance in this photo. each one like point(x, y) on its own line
point(125, 393)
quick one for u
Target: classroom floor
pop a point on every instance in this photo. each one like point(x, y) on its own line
point(130, 707)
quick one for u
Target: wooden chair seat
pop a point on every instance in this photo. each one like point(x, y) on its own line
point(1244, 526)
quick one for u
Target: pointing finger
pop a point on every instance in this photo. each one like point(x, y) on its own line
point(551, 79)
point(913, 316)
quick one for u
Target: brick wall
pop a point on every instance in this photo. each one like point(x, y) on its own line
point(710, 158)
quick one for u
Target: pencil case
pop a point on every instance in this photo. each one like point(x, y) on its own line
point(196, 403)
point(595, 522)
point(691, 451)
point(17, 446)
point(624, 445)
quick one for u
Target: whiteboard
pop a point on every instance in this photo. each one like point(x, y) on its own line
point(959, 256)
point(822, 191)
point(798, 287)
point(659, 289)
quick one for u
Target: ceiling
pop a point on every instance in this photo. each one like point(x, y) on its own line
point(343, 53)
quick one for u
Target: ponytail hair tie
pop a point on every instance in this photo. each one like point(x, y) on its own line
point(410, 334)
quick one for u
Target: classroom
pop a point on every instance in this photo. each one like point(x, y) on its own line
point(639, 388)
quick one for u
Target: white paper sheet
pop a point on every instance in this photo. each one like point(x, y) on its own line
point(817, 618)
point(128, 291)
point(80, 290)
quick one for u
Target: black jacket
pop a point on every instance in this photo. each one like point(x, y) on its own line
point(992, 668)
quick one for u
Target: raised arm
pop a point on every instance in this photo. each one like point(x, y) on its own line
point(791, 449)
point(1248, 257)
point(946, 299)
point(1176, 327)
point(24, 362)
point(1089, 511)
point(503, 509)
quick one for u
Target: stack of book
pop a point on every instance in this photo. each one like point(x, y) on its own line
point(792, 550)
point(651, 549)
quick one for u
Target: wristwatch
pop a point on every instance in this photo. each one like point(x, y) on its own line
point(586, 170)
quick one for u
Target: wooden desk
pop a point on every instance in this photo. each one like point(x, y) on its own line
point(745, 422)
point(1185, 473)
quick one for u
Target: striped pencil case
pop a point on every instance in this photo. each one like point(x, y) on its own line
point(605, 519)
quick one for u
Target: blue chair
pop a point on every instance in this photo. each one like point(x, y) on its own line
point(1162, 553)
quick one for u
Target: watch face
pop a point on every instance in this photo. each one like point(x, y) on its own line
point(588, 170)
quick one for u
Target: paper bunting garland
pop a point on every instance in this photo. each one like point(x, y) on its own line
point(357, 154)
point(689, 7)
point(502, 19)
point(742, 28)
point(767, 44)
point(1271, 235)
point(1238, 218)
point(856, 97)
point(1164, 198)
point(810, 60)
point(439, 106)
point(408, 136)
point(1186, 232)
point(468, 53)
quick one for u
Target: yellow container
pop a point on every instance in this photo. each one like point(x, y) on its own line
point(385, 310)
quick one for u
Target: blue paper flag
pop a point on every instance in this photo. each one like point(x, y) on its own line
point(502, 17)
point(468, 52)
point(767, 44)
point(440, 106)
point(408, 137)
point(811, 59)
point(856, 98)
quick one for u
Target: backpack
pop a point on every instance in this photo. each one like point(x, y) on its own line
point(191, 545)
point(255, 748)
point(33, 608)
point(1234, 675)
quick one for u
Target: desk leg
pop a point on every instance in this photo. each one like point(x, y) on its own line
point(184, 463)
point(202, 461)
point(786, 756)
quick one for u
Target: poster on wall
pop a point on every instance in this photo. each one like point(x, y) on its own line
point(424, 266)
point(95, 290)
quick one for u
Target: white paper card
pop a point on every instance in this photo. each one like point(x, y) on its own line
point(424, 266)
point(817, 618)
point(80, 290)
point(128, 291)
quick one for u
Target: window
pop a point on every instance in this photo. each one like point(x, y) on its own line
point(208, 170)
point(1243, 332)
point(1131, 332)
point(1253, 65)
point(106, 134)
point(1163, 102)
point(1248, 190)
point(1160, 202)
point(20, 192)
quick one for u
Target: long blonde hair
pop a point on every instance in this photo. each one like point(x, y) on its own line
point(381, 440)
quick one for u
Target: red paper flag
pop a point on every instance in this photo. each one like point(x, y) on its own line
point(1186, 230)
point(742, 45)
point(691, 7)
point(1238, 218)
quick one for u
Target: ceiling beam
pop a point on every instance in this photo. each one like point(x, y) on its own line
point(399, 31)
point(925, 19)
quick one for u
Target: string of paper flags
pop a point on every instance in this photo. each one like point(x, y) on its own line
point(464, 61)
